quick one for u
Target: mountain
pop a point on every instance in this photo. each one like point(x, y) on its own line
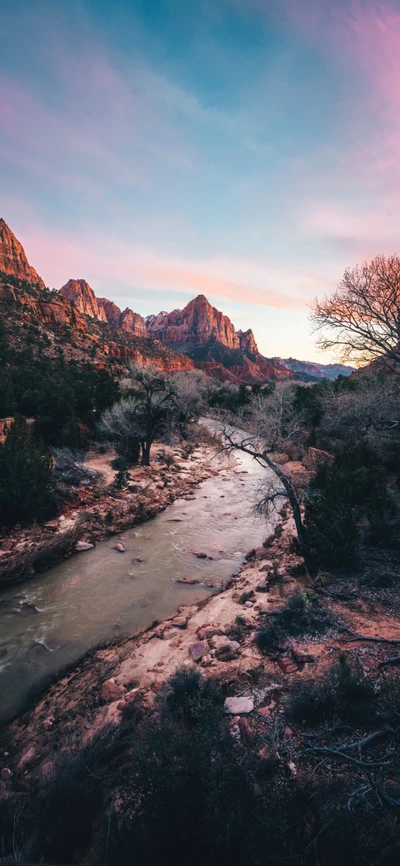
point(102, 309)
point(13, 259)
point(197, 324)
point(208, 337)
point(314, 370)
point(199, 331)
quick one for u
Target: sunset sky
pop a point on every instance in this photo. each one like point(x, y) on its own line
point(245, 149)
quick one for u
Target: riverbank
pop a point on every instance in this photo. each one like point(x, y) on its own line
point(99, 510)
point(216, 636)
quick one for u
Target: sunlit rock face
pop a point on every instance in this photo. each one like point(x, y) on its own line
point(198, 323)
point(133, 323)
point(13, 259)
point(84, 299)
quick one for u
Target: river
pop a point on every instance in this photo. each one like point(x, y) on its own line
point(54, 618)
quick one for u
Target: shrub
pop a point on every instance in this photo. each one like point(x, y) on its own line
point(302, 614)
point(120, 464)
point(26, 482)
point(344, 693)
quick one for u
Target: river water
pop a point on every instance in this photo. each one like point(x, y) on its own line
point(52, 620)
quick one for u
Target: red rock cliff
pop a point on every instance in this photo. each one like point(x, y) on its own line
point(196, 324)
point(84, 299)
point(13, 259)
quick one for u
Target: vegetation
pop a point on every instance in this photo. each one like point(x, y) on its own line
point(301, 615)
point(174, 787)
point(26, 486)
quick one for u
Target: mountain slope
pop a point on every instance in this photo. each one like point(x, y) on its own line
point(13, 259)
point(316, 370)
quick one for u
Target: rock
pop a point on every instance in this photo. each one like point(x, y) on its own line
point(27, 758)
point(286, 665)
point(250, 554)
point(190, 581)
point(198, 650)
point(48, 723)
point(263, 586)
point(301, 656)
point(13, 259)
point(206, 632)
point(180, 621)
point(111, 691)
point(314, 458)
point(264, 711)
point(264, 754)
point(131, 695)
point(245, 732)
point(6, 773)
point(225, 655)
point(236, 706)
point(248, 604)
point(120, 547)
point(200, 555)
point(292, 769)
point(189, 498)
point(288, 731)
point(83, 545)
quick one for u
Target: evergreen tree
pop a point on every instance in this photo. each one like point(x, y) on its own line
point(25, 476)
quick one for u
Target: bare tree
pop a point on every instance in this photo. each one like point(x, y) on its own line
point(159, 402)
point(271, 424)
point(362, 317)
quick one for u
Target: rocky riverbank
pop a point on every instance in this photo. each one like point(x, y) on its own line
point(99, 510)
point(217, 637)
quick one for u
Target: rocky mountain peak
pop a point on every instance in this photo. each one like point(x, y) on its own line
point(84, 299)
point(13, 259)
point(198, 323)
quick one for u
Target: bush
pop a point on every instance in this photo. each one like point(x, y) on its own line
point(301, 615)
point(344, 694)
point(120, 464)
point(26, 478)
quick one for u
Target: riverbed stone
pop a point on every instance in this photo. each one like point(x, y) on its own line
point(83, 545)
point(120, 547)
point(236, 706)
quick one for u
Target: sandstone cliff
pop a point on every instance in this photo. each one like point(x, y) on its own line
point(197, 324)
point(102, 309)
point(13, 259)
point(84, 299)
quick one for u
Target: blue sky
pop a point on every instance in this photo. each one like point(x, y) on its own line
point(245, 149)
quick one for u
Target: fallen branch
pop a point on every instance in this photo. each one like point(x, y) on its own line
point(395, 660)
point(370, 739)
point(322, 750)
point(356, 636)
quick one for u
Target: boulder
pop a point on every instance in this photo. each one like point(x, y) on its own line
point(314, 458)
point(262, 586)
point(120, 547)
point(6, 773)
point(111, 691)
point(83, 545)
point(180, 621)
point(237, 706)
point(301, 656)
point(198, 650)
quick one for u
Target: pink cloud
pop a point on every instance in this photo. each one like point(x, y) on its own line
point(105, 262)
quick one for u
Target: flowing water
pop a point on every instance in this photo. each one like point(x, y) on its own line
point(52, 620)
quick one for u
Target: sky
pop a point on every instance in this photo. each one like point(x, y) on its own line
point(248, 150)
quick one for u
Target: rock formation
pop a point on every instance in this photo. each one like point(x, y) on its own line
point(84, 299)
point(197, 324)
point(133, 323)
point(102, 309)
point(13, 259)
